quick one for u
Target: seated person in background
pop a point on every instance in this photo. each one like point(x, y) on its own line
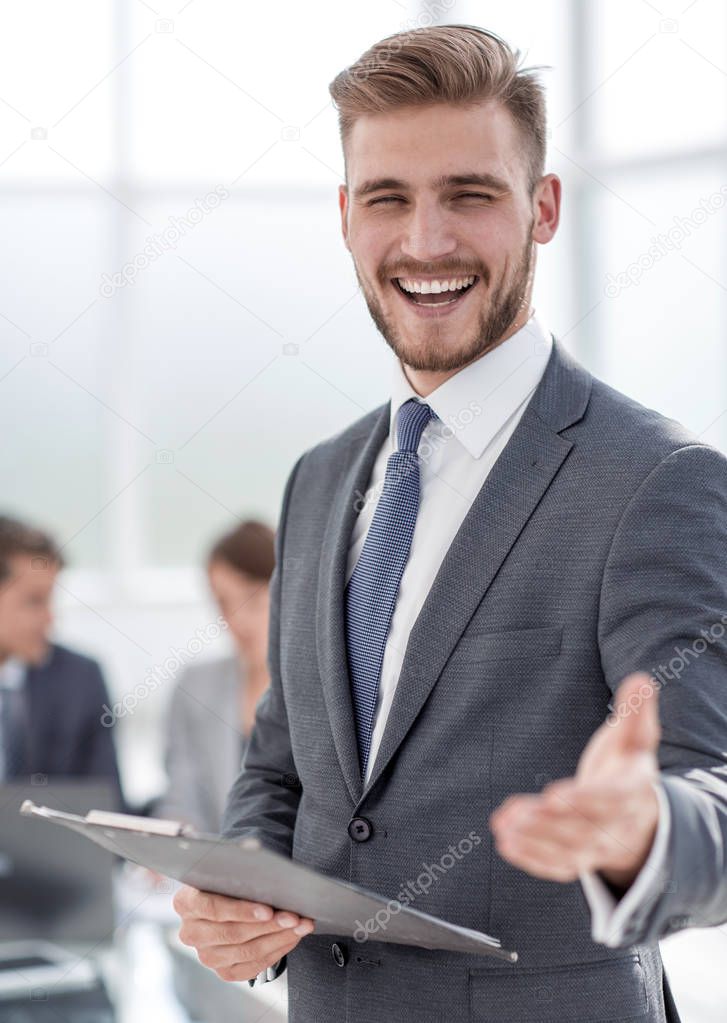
point(51, 698)
point(212, 708)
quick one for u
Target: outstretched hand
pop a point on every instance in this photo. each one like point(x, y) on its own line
point(605, 818)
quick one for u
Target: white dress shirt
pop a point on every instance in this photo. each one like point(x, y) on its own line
point(12, 676)
point(12, 673)
point(478, 409)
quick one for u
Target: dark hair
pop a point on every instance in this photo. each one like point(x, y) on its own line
point(459, 64)
point(249, 548)
point(18, 538)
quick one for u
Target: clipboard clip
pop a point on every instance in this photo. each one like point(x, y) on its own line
point(124, 821)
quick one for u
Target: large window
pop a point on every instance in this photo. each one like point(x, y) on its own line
point(179, 315)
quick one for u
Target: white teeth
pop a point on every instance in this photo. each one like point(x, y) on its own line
point(435, 287)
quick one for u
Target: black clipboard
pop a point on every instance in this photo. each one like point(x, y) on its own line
point(245, 869)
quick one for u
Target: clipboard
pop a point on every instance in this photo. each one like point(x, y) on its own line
point(246, 869)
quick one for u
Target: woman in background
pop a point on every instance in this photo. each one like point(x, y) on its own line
point(212, 708)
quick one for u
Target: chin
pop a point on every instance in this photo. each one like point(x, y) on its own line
point(424, 359)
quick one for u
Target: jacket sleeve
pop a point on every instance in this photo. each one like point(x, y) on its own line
point(263, 801)
point(663, 610)
point(611, 908)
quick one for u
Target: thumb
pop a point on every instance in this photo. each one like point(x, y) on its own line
point(636, 727)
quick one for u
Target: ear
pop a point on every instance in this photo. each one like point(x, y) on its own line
point(546, 208)
point(343, 207)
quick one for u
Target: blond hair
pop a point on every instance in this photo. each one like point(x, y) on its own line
point(459, 64)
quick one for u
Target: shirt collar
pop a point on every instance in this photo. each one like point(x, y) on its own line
point(490, 389)
point(12, 673)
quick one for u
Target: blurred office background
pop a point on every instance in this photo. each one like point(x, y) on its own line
point(142, 420)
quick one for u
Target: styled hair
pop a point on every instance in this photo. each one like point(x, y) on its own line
point(249, 549)
point(19, 538)
point(458, 64)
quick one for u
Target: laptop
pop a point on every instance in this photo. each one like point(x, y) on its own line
point(54, 884)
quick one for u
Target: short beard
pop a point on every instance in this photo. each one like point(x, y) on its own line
point(504, 306)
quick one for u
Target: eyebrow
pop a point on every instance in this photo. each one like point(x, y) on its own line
point(491, 181)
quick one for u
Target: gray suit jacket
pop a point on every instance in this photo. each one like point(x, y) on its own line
point(204, 743)
point(597, 546)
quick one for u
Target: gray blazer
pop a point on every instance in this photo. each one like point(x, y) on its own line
point(204, 743)
point(597, 546)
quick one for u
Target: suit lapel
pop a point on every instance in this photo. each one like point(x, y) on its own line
point(517, 482)
point(512, 491)
point(357, 460)
point(498, 514)
point(39, 710)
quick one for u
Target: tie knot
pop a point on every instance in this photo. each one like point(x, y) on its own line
point(411, 420)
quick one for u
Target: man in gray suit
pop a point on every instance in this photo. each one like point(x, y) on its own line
point(483, 591)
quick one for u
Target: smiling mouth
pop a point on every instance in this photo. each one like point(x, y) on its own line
point(444, 292)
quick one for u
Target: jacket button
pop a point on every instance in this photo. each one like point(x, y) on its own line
point(338, 954)
point(359, 828)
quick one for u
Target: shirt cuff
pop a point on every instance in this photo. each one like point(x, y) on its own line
point(270, 973)
point(610, 916)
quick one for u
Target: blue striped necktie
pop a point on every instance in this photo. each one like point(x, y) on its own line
point(372, 589)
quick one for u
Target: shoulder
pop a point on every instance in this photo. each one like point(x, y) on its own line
point(628, 441)
point(628, 420)
point(62, 660)
point(70, 676)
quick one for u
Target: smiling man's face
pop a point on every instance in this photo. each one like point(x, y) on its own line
point(442, 230)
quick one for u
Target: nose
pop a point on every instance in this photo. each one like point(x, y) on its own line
point(428, 236)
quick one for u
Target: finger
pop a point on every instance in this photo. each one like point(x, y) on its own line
point(266, 950)
point(248, 971)
point(596, 802)
point(514, 844)
point(544, 859)
point(208, 933)
point(529, 810)
point(193, 903)
point(568, 830)
point(601, 832)
point(511, 807)
point(576, 835)
point(247, 966)
point(284, 918)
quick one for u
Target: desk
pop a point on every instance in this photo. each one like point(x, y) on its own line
point(151, 976)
